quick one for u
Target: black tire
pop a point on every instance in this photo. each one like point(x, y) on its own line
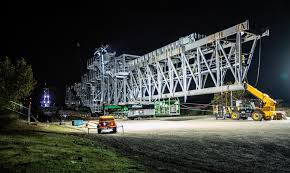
point(267, 118)
point(99, 131)
point(235, 116)
point(115, 130)
point(257, 116)
point(244, 118)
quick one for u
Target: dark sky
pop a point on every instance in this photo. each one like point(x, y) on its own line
point(47, 34)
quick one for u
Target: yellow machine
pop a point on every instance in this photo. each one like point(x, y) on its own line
point(268, 110)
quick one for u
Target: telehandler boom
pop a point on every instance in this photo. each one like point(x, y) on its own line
point(268, 109)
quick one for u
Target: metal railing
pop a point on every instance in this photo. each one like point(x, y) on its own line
point(20, 109)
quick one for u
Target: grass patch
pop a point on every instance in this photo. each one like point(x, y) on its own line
point(45, 149)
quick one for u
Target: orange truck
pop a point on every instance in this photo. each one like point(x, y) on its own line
point(107, 123)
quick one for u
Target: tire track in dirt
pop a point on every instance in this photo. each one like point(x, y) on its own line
point(242, 149)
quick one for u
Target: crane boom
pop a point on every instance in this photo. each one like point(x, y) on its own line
point(262, 96)
point(269, 105)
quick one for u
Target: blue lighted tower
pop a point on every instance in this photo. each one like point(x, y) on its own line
point(45, 99)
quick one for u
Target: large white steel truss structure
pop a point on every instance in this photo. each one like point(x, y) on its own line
point(193, 65)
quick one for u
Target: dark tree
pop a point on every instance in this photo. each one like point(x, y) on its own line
point(16, 80)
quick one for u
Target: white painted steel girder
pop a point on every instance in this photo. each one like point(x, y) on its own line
point(193, 65)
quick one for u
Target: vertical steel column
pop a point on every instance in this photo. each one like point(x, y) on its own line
point(199, 69)
point(141, 86)
point(124, 88)
point(170, 74)
point(124, 63)
point(159, 83)
point(115, 91)
point(218, 69)
point(103, 79)
point(184, 74)
point(108, 92)
point(149, 85)
point(238, 56)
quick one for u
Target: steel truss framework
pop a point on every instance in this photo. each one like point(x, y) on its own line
point(193, 65)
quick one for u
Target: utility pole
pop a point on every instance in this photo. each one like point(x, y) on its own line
point(29, 112)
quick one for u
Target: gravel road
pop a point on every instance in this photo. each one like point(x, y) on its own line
point(203, 144)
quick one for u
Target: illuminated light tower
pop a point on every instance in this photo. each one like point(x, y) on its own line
point(45, 100)
point(101, 52)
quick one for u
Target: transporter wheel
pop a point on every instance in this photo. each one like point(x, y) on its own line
point(257, 116)
point(244, 118)
point(115, 130)
point(235, 116)
point(99, 131)
point(267, 118)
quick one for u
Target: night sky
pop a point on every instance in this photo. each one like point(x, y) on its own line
point(48, 35)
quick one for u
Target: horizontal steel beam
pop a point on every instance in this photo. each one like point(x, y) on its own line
point(212, 90)
point(219, 35)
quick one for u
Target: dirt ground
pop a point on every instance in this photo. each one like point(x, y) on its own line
point(203, 144)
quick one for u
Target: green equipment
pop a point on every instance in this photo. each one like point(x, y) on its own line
point(167, 107)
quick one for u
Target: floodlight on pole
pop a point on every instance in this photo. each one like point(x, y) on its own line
point(100, 52)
